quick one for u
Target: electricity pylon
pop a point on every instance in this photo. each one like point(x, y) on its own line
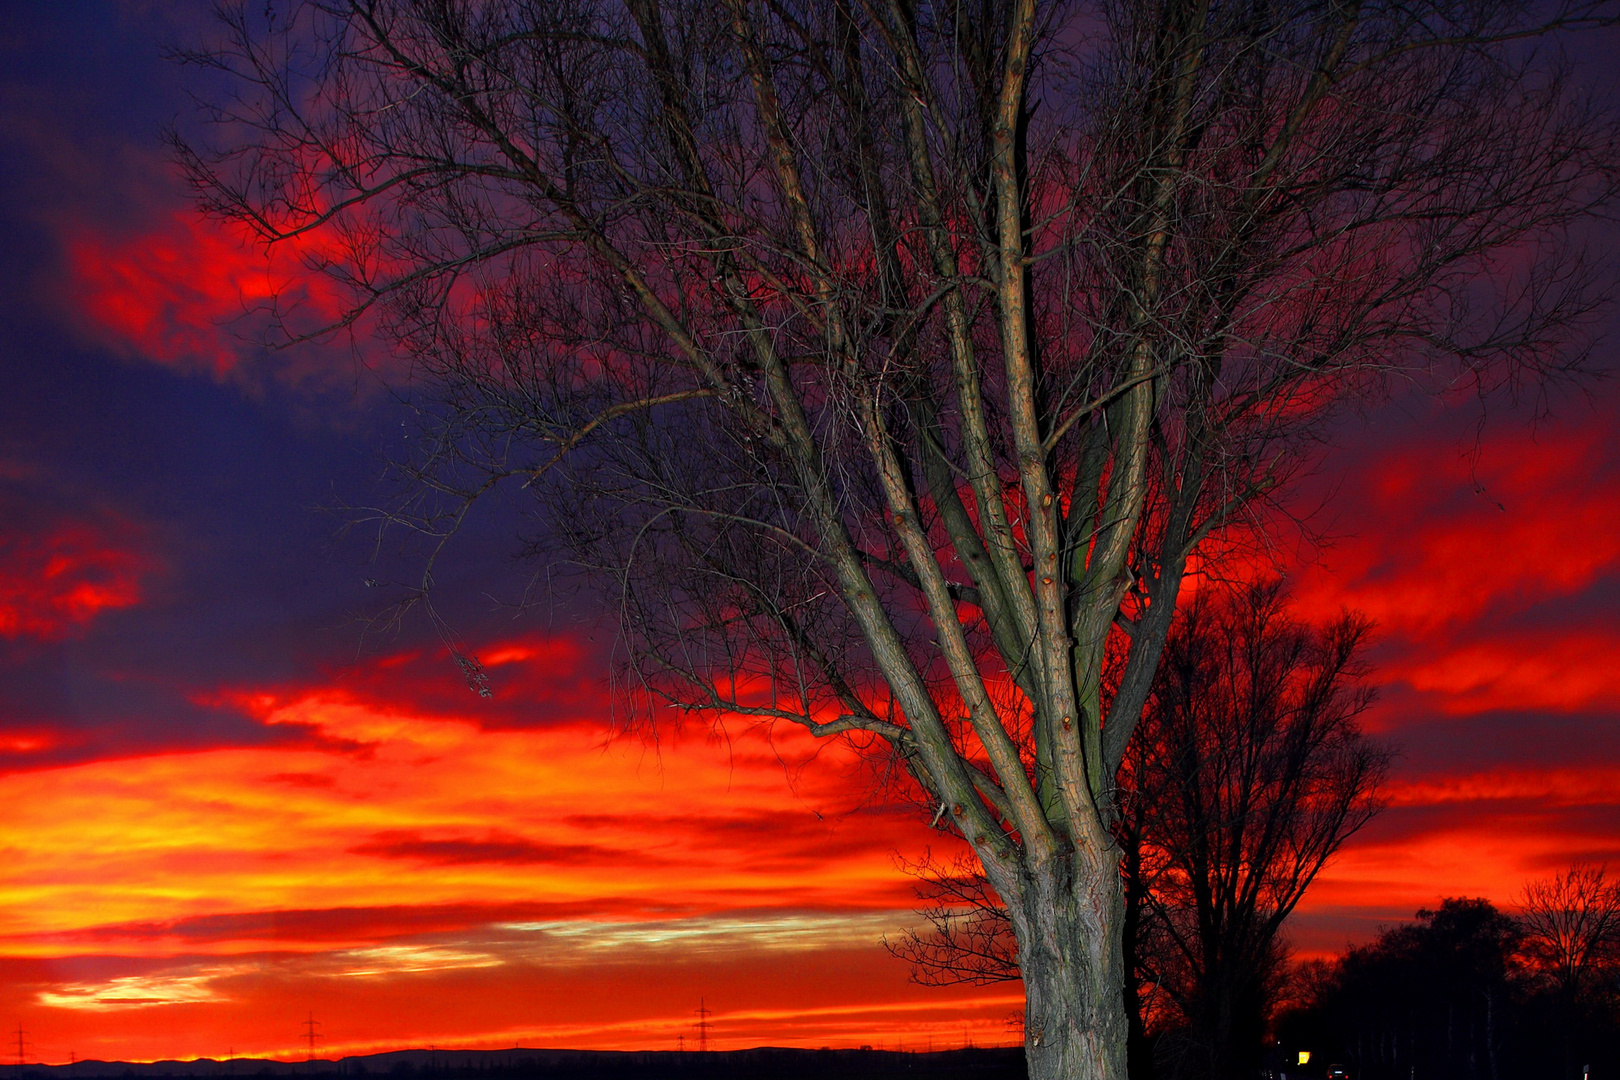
point(703, 1026)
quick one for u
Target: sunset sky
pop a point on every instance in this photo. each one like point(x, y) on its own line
point(228, 800)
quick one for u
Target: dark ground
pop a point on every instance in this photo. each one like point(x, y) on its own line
point(766, 1063)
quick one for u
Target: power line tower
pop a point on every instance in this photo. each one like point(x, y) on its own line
point(22, 1046)
point(311, 1035)
point(703, 1025)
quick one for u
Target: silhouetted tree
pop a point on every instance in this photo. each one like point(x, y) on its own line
point(1572, 929)
point(1252, 772)
point(888, 359)
point(1245, 775)
point(1571, 926)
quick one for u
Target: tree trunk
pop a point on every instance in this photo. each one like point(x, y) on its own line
point(1232, 1024)
point(1069, 919)
point(1138, 1048)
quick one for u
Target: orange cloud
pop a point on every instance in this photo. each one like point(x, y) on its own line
point(1490, 856)
point(1483, 833)
point(425, 878)
point(389, 801)
point(52, 585)
point(821, 994)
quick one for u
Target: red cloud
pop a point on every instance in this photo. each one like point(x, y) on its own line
point(446, 810)
point(314, 929)
point(192, 292)
point(1574, 670)
point(535, 681)
point(1436, 544)
point(53, 585)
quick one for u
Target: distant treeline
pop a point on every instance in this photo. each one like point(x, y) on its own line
point(1468, 992)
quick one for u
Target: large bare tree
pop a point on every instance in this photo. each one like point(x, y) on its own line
point(889, 358)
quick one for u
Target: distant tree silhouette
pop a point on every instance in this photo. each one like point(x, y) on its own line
point(1571, 925)
point(1572, 930)
point(1249, 773)
point(1436, 998)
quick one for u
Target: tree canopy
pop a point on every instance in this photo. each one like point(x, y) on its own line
point(890, 360)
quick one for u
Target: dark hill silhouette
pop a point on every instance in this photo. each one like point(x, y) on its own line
point(764, 1063)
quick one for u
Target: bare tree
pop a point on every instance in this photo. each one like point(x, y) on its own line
point(1254, 772)
point(1245, 775)
point(1571, 927)
point(890, 359)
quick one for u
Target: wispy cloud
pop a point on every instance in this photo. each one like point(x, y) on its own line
point(387, 960)
point(697, 936)
point(140, 991)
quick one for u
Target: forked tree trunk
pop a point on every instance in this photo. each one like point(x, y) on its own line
point(1069, 920)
